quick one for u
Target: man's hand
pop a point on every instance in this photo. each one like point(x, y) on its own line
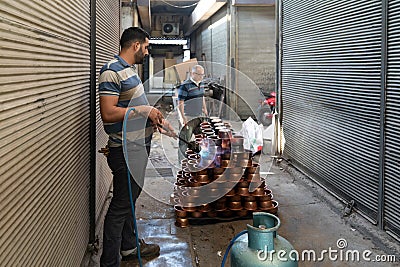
point(152, 113)
point(167, 129)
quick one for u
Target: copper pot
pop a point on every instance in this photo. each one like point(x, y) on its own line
point(236, 205)
point(202, 178)
point(263, 205)
point(237, 140)
point(220, 205)
point(180, 212)
point(243, 183)
point(258, 191)
point(235, 198)
point(194, 157)
point(242, 191)
point(190, 207)
point(235, 170)
point(212, 213)
point(196, 214)
point(234, 177)
point(250, 205)
point(193, 183)
point(231, 193)
point(250, 198)
point(255, 177)
point(253, 169)
point(204, 208)
point(225, 163)
point(265, 197)
point(218, 171)
point(182, 222)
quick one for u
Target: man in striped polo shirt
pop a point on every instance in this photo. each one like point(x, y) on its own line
point(192, 106)
point(121, 88)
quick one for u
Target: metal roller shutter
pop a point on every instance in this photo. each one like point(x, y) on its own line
point(255, 55)
point(392, 125)
point(44, 129)
point(331, 63)
point(219, 39)
point(107, 45)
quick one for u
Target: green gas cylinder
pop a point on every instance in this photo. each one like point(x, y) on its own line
point(262, 246)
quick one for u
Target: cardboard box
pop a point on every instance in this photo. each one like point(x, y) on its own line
point(169, 71)
point(183, 69)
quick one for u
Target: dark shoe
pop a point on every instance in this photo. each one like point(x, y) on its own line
point(146, 251)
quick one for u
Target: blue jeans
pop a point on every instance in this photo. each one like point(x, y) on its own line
point(118, 233)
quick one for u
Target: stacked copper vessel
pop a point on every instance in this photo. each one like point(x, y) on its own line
point(221, 181)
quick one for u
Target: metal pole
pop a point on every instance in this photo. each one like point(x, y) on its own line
point(92, 193)
point(381, 192)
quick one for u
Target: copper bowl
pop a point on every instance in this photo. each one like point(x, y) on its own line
point(204, 208)
point(236, 205)
point(180, 212)
point(202, 178)
point(235, 170)
point(208, 132)
point(182, 222)
point(235, 198)
point(212, 213)
point(265, 197)
point(225, 163)
point(237, 140)
point(231, 193)
point(255, 177)
point(234, 177)
point(190, 207)
point(218, 171)
point(274, 208)
point(242, 191)
point(224, 134)
point(253, 169)
point(263, 205)
point(250, 198)
point(193, 183)
point(243, 183)
point(220, 206)
point(258, 192)
point(196, 214)
point(198, 171)
point(255, 184)
point(250, 205)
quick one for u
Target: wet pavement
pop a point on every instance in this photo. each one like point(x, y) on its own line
point(311, 219)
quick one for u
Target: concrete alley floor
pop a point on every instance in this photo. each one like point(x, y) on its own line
point(311, 219)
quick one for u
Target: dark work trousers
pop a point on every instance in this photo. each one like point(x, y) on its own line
point(119, 234)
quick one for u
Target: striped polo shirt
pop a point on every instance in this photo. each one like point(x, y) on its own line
point(192, 95)
point(118, 78)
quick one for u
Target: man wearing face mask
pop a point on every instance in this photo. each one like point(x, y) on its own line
point(120, 88)
point(192, 106)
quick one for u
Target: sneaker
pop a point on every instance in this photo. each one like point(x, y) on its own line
point(146, 251)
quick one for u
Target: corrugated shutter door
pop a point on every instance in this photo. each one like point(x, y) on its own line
point(392, 156)
point(219, 39)
point(107, 45)
point(331, 94)
point(256, 54)
point(44, 129)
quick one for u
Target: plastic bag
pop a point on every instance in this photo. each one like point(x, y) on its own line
point(253, 135)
